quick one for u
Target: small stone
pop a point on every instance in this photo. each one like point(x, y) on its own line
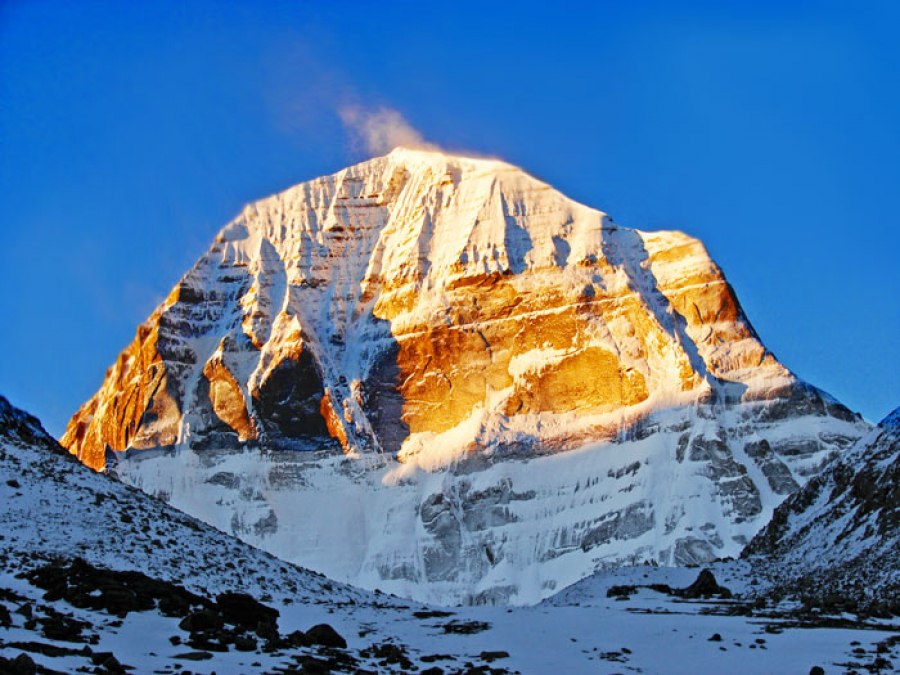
point(494, 655)
point(194, 656)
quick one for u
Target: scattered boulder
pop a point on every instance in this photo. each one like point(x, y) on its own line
point(494, 656)
point(466, 627)
point(55, 626)
point(244, 643)
point(202, 620)
point(432, 614)
point(194, 656)
point(324, 635)
point(389, 654)
point(704, 586)
point(21, 665)
point(245, 611)
point(108, 661)
point(82, 585)
point(622, 592)
point(297, 638)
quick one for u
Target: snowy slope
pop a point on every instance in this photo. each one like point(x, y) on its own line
point(505, 531)
point(55, 509)
point(503, 390)
point(837, 540)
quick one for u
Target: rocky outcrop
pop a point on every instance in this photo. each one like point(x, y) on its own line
point(836, 542)
point(457, 315)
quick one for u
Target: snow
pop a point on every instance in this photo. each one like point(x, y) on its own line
point(838, 535)
point(583, 633)
point(363, 525)
point(55, 507)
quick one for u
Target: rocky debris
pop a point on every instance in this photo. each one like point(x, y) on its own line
point(389, 654)
point(83, 585)
point(193, 656)
point(326, 660)
point(459, 627)
point(704, 586)
point(232, 620)
point(56, 626)
point(432, 614)
point(490, 656)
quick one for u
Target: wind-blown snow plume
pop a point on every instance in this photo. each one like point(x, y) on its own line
point(381, 130)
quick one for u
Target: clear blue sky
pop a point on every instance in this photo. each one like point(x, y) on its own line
point(131, 132)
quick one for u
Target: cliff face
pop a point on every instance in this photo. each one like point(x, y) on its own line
point(407, 295)
point(447, 312)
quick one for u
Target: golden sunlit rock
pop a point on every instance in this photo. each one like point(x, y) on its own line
point(420, 294)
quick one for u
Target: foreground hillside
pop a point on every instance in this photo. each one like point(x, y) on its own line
point(836, 542)
point(96, 576)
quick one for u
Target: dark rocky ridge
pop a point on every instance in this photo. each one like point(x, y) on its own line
point(836, 542)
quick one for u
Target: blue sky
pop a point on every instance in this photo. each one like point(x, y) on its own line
point(131, 132)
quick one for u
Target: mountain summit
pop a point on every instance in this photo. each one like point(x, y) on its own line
point(555, 387)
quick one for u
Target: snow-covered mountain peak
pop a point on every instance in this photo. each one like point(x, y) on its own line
point(466, 319)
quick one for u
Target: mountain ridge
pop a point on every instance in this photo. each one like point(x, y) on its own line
point(462, 317)
point(836, 541)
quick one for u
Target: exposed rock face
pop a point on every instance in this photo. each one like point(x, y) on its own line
point(456, 313)
point(838, 538)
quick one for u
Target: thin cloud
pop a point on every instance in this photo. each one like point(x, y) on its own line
point(381, 130)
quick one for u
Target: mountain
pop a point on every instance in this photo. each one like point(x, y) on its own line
point(438, 376)
point(837, 541)
point(96, 576)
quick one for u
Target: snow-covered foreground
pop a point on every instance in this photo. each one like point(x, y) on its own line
point(579, 631)
point(55, 509)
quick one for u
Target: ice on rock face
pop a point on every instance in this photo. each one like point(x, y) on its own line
point(503, 390)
